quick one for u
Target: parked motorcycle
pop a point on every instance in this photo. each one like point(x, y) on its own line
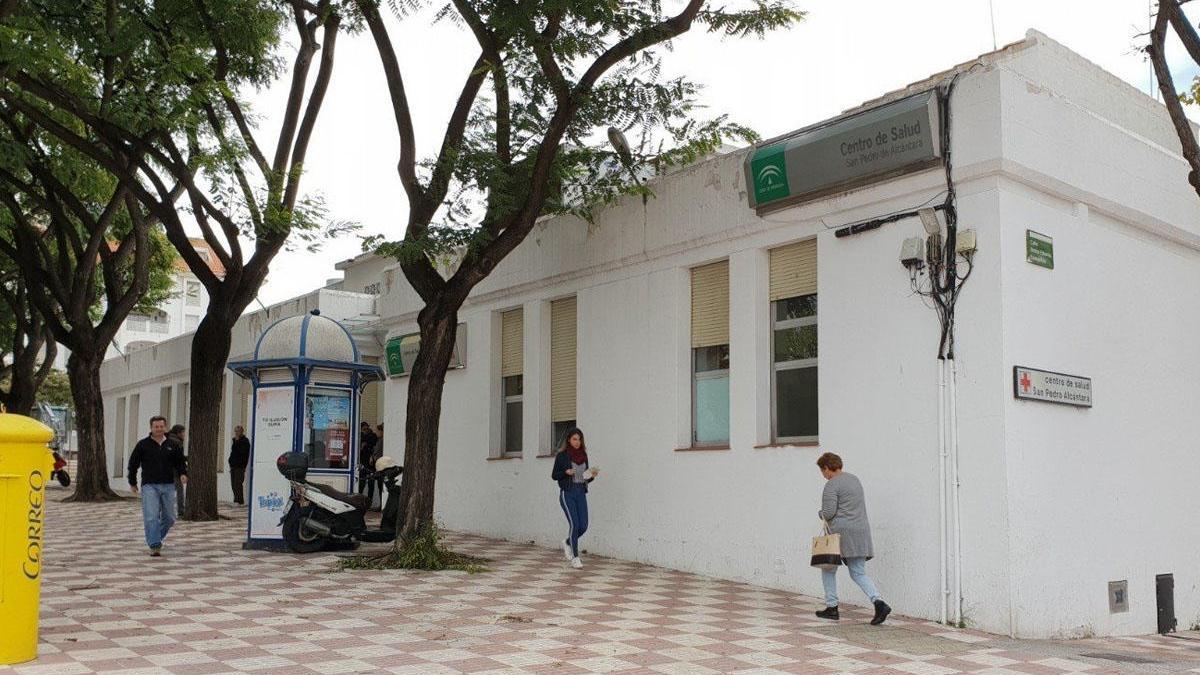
point(320, 515)
point(60, 470)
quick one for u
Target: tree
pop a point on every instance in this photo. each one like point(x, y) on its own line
point(55, 389)
point(1170, 17)
point(559, 71)
point(27, 349)
point(169, 123)
point(83, 248)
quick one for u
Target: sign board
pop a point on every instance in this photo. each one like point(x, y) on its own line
point(1043, 385)
point(274, 412)
point(1039, 249)
point(402, 352)
point(847, 152)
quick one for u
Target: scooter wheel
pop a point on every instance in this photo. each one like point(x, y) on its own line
point(64, 479)
point(297, 537)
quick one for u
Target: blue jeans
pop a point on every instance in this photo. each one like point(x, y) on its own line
point(158, 511)
point(574, 505)
point(858, 572)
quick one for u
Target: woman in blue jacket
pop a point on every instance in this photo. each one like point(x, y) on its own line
point(573, 474)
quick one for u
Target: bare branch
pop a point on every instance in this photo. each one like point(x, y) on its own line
point(1183, 128)
point(407, 166)
point(315, 100)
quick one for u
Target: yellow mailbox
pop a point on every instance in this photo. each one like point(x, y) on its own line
point(25, 464)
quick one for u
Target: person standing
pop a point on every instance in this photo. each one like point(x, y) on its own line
point(844, 508)
point(161, 462)
point(239, 457)
point(573, 474)
point(367, 440)
point(178, 436)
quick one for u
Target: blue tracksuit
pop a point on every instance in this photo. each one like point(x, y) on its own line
point(572, 497)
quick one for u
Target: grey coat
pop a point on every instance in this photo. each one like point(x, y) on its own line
point(845, 508)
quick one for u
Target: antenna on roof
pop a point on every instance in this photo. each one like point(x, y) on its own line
point(992, 12)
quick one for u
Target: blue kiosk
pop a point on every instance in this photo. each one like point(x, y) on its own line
point(307, 379)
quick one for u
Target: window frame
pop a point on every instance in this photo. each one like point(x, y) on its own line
point(797, 364)
point(706, 375)
point(505, 400)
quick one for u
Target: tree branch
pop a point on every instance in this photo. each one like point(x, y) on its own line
point(1166, 84)
point(407, 166)
point(315, 100)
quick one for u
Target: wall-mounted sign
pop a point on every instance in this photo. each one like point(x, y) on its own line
point(1039, 249)
point(847, 152)
point(1043, 385)
point(402, 352)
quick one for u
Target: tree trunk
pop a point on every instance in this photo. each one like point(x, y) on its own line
point(23, 381)
point(425, 386)
point(210, 352)
point(91, 478)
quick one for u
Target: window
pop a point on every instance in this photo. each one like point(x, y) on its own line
point(512, 366)
point(562, 368)
point(192, 291)
point(164, 401)
point(138, 322)
point(327, 428)
point(160, 322)
point(793, 291)
point(120, 439)
point(710, 354)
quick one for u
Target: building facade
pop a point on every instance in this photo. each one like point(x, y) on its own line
point(711, 353)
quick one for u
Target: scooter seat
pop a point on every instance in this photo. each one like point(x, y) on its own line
point(357, 501)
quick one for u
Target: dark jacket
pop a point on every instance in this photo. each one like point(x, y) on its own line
point(562, 462)
point(160, 463)
point(239, 454)
point(367, 442)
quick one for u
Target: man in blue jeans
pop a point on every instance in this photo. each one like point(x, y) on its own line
point(160, 460)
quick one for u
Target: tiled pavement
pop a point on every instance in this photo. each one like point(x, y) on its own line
point(209, 607)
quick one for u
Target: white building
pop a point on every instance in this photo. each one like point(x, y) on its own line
point(655, 330)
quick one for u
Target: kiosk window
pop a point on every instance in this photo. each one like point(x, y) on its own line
point(327, 428)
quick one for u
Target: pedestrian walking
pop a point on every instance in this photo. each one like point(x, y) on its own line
point(161, 462)
point(178, 436)
point(239, 457)
point(573, 474)
point(844, 508)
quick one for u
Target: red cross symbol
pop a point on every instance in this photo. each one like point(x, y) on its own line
point(1025, 382)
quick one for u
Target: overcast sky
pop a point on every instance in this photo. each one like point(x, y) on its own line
point(845, 52)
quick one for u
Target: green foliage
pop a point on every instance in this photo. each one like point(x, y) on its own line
point(492, 170)
point(423, 551)
point(1192, 95)
point(56, 389)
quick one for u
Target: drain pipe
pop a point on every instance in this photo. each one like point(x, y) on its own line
point(944, 591)
point(954, 486)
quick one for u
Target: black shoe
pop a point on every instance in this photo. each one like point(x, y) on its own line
point(881, 612)
point(156, 552)
point(830, 613)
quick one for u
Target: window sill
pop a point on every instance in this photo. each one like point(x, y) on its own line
point(545, 456)
point(798, 444)
point(497, 458)
point(703, 448)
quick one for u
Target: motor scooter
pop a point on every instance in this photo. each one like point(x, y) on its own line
point(60, 470)
point(320, 515)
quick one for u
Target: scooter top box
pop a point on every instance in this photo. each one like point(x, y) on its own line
point(293, 465)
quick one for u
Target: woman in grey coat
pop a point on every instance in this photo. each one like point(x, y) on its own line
point(844, 507)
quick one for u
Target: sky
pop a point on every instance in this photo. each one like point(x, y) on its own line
point(844, 53)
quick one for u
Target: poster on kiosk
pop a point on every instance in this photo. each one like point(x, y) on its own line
point(274, 409)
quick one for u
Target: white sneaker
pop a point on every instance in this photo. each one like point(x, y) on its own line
point(577, 563)
point(566, 545)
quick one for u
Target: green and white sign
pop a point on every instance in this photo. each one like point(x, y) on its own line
point(402, 352)
point(1039, 249)
point(848, 152)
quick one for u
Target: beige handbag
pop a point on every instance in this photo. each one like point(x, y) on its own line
point(827, 549)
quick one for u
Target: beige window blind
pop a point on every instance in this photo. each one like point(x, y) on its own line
point(710, 305)
point(512, 340)
point(794, 270)
point(562, 360)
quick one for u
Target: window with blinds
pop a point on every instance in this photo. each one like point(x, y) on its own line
point(563, 321)
point(512, 367)
point(793, 295)
point(710, 354)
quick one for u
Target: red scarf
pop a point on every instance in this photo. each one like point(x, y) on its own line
point(578, 455)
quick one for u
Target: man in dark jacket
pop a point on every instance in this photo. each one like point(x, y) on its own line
point(161, 461)
point(178, 436)
point(239, 457)
point(367, 441)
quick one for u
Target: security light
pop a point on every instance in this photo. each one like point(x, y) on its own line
point(621, 145)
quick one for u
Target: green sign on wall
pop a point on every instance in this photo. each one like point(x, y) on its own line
point(770, 174)
point(1039, 249)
